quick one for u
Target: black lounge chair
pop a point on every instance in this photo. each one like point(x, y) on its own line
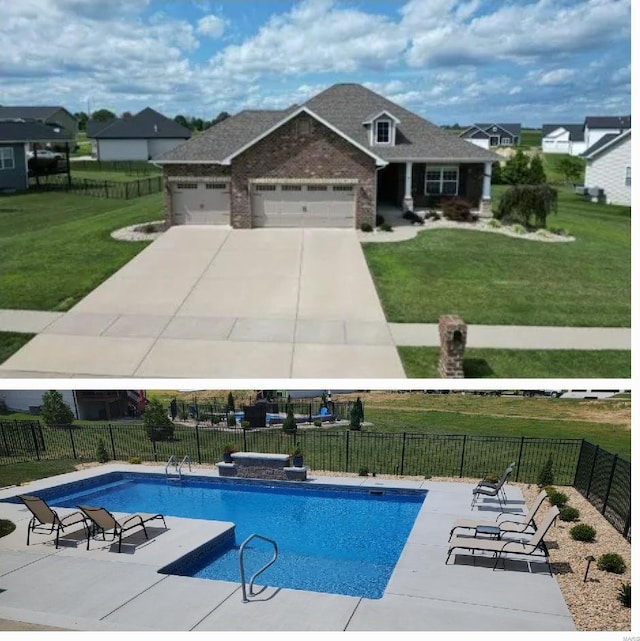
point(45, 520)
point(488, 488)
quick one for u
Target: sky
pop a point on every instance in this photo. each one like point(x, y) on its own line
point(451, 61)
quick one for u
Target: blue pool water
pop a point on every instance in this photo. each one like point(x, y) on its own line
point(330, 539)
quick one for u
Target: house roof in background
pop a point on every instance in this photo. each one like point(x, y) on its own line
point(344, 107)
point(147, 123)
point(32, 131)
point(29, 112)
point(608, 122)
point(607, 141)
point(576, 132)
point(95, 126)
point(514, 128)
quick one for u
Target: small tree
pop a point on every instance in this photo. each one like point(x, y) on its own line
point(290, 426)
point(55, 412)
point(536, 172)
point(571, 168)
point(527, 205)
point(360, 409)
point(102, 455)
point(157, 423)
point(496, 174)
point(545, 476)
point(516, 169)
point(354, 419)
point(231, 404)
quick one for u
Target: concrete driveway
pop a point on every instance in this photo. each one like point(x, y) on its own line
point(212, 302)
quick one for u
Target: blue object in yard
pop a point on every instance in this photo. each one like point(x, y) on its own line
point(324, 411)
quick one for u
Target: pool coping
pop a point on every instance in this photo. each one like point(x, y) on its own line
point(422, 593)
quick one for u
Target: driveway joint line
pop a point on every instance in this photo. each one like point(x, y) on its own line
point(133, 598)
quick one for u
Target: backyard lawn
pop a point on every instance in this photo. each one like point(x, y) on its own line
point(493, 279)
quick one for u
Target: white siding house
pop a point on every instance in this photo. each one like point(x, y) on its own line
point(115, 149)
point(563, 139)
point(609, 168)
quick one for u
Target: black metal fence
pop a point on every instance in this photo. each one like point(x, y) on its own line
point(601, 477)
point(129, 167)
point(125, 190)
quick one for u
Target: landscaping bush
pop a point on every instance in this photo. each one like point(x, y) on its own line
point(317, 423)
point(545, 476)
point(231, 403)
point(366, 227)
point(528, 205)
point(55, 412)
point(6, 527)
point(363, 471)
point(457, 209)
point(569, 514)
point(354, 419)
point(379, 220)
point(496, 173)
point(582, 532)
point(536, 172)
point(612, 562)
point(102, 455)
point(157, 424)
point(290, 426)
point(624, 594)
point(231, 419)
point(135, 460)
point(516, 169)
point(560, 499)
point(518, 229)
point(386, 227)
point(494, 222)
point(413, 217)
point(245, 425)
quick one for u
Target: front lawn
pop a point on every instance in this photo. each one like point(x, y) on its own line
point(55, 247)
point(422, 362)
point(493, 279)
point(11, 342)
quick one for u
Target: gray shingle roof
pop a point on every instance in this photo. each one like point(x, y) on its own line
point(514, 128)
point(576, 132)
point(32, 131)
point(28, 112)
point(603, 142)
point(608, 122)
point(147, 123)
point(345, 107)
point(95, 126)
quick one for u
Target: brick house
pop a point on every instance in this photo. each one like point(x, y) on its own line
point(327, 163)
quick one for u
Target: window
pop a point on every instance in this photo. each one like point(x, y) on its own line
point(187, 185)
point(505, 141)
point(6, 158)
point(383, 132)
point(265, 187)
point(441, 181)
point(627, 176)
point(343, 188)
point(216, 185)
point(316, 188)
point(291, 187)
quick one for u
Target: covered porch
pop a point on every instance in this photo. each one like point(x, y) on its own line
point(411, 186)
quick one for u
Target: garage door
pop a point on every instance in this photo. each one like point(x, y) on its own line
point(201, 203)
point(312, 205)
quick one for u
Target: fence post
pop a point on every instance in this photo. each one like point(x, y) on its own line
point(613, 471)
point(126, 191)
point(244, 440)
point(155, 451)
point(309, 412)
point(4, 439)
point(575, 474)
point(73, 445)
point(35, 442)
point(198, 445)
point(404, 443)
point(627, 525)
point(519, 458)
point(138, 187)
point(106, 189)
point(113, 445)
point(593, 467)
point(464, 447)
point(346, 458)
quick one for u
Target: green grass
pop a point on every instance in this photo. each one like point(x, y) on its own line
point(56, 247)
point(84, 145)
point(551, 164)
point(116, 176)
point(422, 362)
point(18, 473)
point(531, 137)
point(493, 279)
point(11, 342)
point(6, 527)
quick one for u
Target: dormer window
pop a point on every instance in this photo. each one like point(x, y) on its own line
point(383, 132)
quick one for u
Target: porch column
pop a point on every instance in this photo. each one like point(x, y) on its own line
point(485, 201)
point(408, 199)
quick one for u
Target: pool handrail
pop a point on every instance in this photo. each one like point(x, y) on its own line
point(261, 570)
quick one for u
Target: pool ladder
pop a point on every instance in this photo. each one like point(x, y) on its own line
point(260, 571)
point(178, 466)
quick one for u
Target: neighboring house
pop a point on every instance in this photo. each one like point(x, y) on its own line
point(563, 139)
point(85, 404)
point(493, 134)
point(328, 162)
point(55, 116)
point(608, 168)
point(595, 127)
point(16, 138)
point(145, 136)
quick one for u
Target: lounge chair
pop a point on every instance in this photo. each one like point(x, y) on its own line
point(45, 520)
point(534, 546)
point(487, 488)
point(507, 524)
point(102, 521)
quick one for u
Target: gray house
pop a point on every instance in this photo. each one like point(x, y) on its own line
point(16, 138)
point(54, 116)
point(493, 134)
point(145, 136)
point(327, 163)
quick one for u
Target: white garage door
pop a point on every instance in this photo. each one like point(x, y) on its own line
point(312, 205)
point(201, 203)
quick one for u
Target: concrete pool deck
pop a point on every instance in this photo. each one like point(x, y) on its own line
point(100, 589)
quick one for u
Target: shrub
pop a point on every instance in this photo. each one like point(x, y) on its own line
point(559, 499)
point(386, 227)
point(612, 562)
point(545, 476)
point(413, 217)
point(289, 425)
point(229, 448)
point(457, 209)
point(366, 227)
point(245, 425)
point(232, 421)
point(432, 215)
point(6, 527)
point(582, 532)
point(157, 424)
point(363, 471)
point(379, 220)
point(624, 594)
point(516, 169)
point(317, 423)
point(55, 412)
point(569, 514)
point(518, 229)
point(496, 173)
point(231, 403)
point(135, 460)
point(494, 222)
point(528, 205)
point(101, 452)
point(536, 172)
point(354, 419)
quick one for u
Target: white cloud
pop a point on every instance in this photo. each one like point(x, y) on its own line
point(212, 26)
point(556, 77)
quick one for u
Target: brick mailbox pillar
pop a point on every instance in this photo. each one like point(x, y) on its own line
point(453, 340)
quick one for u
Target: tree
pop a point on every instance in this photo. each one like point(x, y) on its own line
point(290, 426)
point(360, 408)
point(545, 476)
point(516, 169)
point(231, 404)
point(496, 174)
point(527, 205)
point(157, 423)
point(181, 120)
point(55, 412)
point(571, 168)
point(223, 115)
point(126, 115)
point(102, 115)
point(355, 420)
point(82, 118)
point(536, 172)
point(102, 456)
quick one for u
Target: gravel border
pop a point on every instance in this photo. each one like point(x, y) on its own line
point(133, 233)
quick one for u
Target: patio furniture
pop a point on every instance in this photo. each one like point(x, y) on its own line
point(102, 521)
point(508, 524)
point(45, 520)
point(534, 546)
point(487, 488)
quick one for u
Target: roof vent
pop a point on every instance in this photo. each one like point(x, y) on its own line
point(155, 128)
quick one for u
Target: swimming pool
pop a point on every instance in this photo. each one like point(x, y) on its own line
point(342, 540)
